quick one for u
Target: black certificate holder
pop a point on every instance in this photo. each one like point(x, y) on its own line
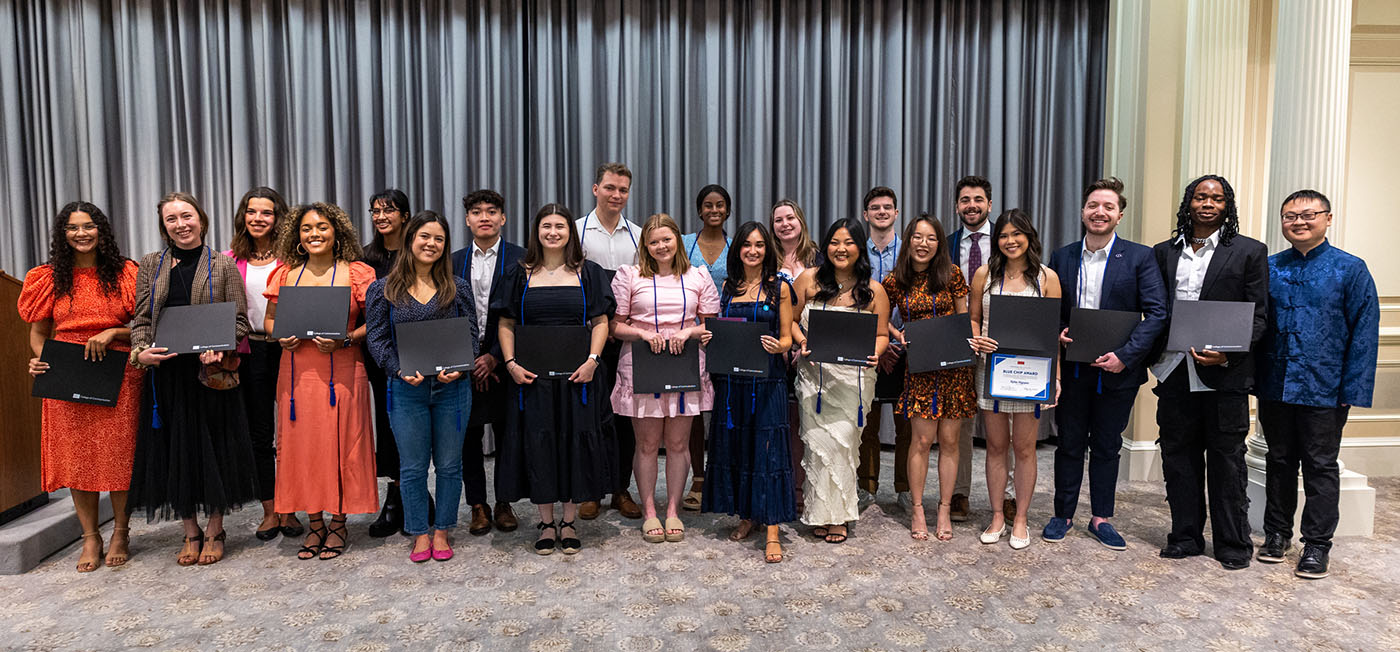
point(1027, 324)
point(305, 312)
point(735, 348)
point(552, 351)
point(841, 337)
point(198, 328)
point(663, 373)
point(1224, 326)
point(939, 343)
point(1096, 332)
point(73, 379)
point(435, 345)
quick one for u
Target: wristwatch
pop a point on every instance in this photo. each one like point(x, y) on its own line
point(595, 357)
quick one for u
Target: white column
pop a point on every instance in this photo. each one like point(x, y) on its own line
point(1214, 89)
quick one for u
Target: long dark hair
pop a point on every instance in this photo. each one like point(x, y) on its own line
point(1229, 226)
point(940, 269)
point(401, 277)
point(110, 260)
point(861, 294)
point(534, 251)
point(769, 268)
point(996, 262)
point(376, 253)
point(242, 244)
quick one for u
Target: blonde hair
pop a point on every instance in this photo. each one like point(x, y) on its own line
point(646, 265)
point(806, 249)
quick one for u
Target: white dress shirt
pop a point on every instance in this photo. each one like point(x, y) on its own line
point(965, 247)
point(483, 272)
point(1092, 265)
point(609, 250)
point(1190, 275)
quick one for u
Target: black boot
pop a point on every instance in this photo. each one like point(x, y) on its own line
point(391, 516)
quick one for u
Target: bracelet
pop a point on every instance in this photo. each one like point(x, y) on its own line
point(507, 362)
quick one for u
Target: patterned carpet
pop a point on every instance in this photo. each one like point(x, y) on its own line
point(880, 590)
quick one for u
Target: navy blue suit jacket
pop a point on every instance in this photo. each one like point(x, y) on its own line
point(508, 258)
point(1132, 282)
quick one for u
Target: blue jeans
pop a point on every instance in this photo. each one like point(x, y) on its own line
point(429, 423)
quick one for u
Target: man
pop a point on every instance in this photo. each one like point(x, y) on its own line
point(611, 241)
point(1101, 272)
point(483, 263)
point(1203, 402)
point(881, 211)
point(1317, 360)
point(972, 197)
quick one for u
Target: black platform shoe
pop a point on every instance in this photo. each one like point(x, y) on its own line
point(391, 516)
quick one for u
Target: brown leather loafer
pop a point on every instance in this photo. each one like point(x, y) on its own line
point(959, 508)
point(588, 510)
point(481, 520)
point(505, 518)
point(622, 502)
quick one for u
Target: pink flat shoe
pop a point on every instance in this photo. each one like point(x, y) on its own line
point(424, 555)
point(442, 554)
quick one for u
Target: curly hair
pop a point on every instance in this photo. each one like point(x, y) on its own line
point(347, 243)
point(1229, 226)
point(110, 260)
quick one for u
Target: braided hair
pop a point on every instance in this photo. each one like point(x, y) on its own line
point(1229, 226)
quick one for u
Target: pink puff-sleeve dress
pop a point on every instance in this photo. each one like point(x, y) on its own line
point(673, 302)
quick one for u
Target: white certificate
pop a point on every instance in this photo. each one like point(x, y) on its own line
point(1019, 377)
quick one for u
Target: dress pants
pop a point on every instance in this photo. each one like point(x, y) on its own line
point(868, 470)
point(258, 378)
point(487, 409)
point(1310, 437)
point(1090, 420)
point(1201, 435)
point(622, 426)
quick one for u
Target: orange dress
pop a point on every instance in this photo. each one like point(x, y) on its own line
point(86, 447)
point(309, 479)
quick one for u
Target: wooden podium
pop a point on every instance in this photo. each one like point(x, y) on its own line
point(20, 485)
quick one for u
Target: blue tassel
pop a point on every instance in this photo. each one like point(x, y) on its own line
point(729, 404)
point(860, 417)
point(819, 401)
point(331, 385)
point(156, 423)
point(680, 403)
point(293, 411)
point(1100, 382)
point(520, 395)
point(1037, 410)
point(1077, 365)
point(585, 394)
point(996, 407)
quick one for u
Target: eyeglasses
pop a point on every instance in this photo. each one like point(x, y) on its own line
point(382, 211)
point(80, 228)
point(1306, 216)
point(919, 238)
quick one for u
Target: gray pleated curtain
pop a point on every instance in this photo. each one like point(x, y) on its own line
point(120, 101)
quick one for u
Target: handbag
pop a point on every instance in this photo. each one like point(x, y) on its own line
point(222, 374)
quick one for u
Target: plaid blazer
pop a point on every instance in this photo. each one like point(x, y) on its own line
point(228, 286)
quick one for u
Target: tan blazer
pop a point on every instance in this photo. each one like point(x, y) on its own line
point(228, 286)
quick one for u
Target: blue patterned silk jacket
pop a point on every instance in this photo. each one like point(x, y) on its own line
point(1321, 343)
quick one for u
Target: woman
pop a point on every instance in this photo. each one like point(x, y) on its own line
point(662, 300)
point(429, 414)
point(1013, 269)
point(708, 248)
point(86, 295)
point(254, 251)
point(924, 284)
point(750, 465)
point(831, 437)
point(555, 448)
point(796, 251)
point(325, 444)
point(192, 448)
point(388, 212)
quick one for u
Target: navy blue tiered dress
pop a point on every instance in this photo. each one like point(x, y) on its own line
point(749, 463)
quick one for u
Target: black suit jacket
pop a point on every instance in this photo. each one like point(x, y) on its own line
point(1238, 271)
point(506, 260)
point(1131, 282)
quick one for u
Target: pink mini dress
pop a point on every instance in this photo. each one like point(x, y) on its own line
point(672, 301)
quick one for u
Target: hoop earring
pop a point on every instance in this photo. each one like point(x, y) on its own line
point(301, 249)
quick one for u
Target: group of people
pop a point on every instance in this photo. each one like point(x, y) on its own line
point(308, 425)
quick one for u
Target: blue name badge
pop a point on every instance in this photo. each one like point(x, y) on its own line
point(1020, 377)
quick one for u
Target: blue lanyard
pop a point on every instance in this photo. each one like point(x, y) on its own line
point(656, 320)
point(500, 264)
point(860, 389)
point(156, 423)
point(292, 412)
point(753, 382)
point(880, 259)
point(691, 253)
point(621, 219)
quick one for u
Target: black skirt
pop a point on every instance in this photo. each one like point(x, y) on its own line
point(200, 459)
point(557, 445)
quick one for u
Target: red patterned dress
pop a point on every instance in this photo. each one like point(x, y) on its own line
point(86, 447)
point(945, 394)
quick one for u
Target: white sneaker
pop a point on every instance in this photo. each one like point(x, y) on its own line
point(864, 499)
point(906, 502)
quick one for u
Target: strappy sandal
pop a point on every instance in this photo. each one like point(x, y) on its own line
point(318, 530)
point(545, 545)
point(338, 550)
point(768, 554)
point(568, 545)
point(675, 530)
point(944, 535)
point(742, 531)
point(90, 566)
point(653, 525)
point(836, 537)
point(115, 558)
point(918, 534)
point(190, 560)
point(213, 558)
point(819, 531)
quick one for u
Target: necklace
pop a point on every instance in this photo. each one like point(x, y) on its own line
point(1200, 242)
point(260, 256)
